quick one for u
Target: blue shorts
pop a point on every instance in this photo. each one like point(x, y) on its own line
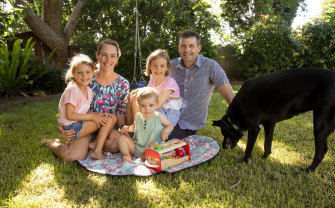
point(77, 126)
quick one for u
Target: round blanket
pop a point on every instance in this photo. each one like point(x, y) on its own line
point(202, 149)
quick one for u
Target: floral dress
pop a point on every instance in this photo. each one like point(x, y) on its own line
point(110, 98)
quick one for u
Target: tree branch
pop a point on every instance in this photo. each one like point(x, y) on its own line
point(71, 24)
point(20, 4)
point(45, 33)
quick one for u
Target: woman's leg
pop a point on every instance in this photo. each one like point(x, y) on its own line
point(111, 143)
point(101, 138)
point(75, 149)
point(127, 147)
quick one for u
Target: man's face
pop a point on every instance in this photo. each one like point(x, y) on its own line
point(189, 50)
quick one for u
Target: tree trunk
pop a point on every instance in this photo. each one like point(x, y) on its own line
point(49, 31)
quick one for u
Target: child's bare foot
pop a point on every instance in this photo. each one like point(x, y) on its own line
point(51, 143)
point(97, 156)
point(92, 145)
point(126, 158)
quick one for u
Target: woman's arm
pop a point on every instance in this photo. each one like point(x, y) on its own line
point(67, 134)
point(168, 127)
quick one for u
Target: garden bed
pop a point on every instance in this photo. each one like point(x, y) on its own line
point(5, 103)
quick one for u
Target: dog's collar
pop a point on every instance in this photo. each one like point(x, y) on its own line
point(236, 127)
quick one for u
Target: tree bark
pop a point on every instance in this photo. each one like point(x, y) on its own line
point(49, 31)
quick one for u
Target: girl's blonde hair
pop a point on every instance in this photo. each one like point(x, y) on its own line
point(76, 61)
point(146, 92)
point(159, 53)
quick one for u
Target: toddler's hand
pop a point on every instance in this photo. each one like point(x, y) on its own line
point(125, 129)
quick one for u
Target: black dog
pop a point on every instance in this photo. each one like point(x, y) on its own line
point(281, 95)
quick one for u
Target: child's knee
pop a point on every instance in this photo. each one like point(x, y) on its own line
point(111, 121)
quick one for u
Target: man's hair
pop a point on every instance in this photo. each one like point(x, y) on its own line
point(189, 33)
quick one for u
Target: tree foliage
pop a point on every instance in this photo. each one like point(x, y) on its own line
point(267, 47)
point(160, 22)
point(243, 14)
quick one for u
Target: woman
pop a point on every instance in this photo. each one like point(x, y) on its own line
point(110, 95)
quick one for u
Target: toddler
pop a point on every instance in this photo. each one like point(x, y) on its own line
point(149, 125)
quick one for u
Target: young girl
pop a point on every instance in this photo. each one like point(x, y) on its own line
point(169, 102)
point(74, 105)
point(149, 126)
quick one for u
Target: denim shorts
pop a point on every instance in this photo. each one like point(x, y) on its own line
point(77, 126)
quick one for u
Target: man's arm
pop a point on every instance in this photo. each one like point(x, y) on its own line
point(227, 92)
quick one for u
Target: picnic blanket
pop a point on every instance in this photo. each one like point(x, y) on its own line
point(202, 149)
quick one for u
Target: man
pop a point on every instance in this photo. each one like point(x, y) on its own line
point(196, 77)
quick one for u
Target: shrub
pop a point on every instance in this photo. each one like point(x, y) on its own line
point(266, 47)
point(14, 66)
point(47, 78)
point(317, 39)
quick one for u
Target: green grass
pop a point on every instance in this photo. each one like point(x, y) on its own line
point(30, 176)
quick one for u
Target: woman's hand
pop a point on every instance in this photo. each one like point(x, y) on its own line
point(67, 134)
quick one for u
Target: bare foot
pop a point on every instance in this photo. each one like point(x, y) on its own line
point(97, 156)
point(126, 158)
point(51, 143)
point(92, 145)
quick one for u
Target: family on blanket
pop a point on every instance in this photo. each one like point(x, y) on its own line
point(97, 112)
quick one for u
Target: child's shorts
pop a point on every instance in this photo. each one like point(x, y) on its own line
point(76, 126)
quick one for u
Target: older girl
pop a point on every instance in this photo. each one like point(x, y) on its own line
point(158, 67)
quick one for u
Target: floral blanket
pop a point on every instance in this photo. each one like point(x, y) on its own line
point(202, 148)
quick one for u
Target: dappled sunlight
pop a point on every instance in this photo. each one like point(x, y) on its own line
point(286, 156)
point(148, 189)
point(40, 189)
point(280, 152)
point(98, 180)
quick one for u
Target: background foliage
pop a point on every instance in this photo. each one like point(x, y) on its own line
point(160, 22)
point(262, 38)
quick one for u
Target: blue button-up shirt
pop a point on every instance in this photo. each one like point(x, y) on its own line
point(196, 88)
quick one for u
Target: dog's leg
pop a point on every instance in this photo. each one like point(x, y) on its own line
point(268, 130)
point(252, 136)
point(322, 128)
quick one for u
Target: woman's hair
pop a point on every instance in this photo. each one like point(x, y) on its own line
point(145, 93)
point(109, 42)
point(159, 53)
point(74, 63)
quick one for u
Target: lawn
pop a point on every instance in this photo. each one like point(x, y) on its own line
point(30, 176)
